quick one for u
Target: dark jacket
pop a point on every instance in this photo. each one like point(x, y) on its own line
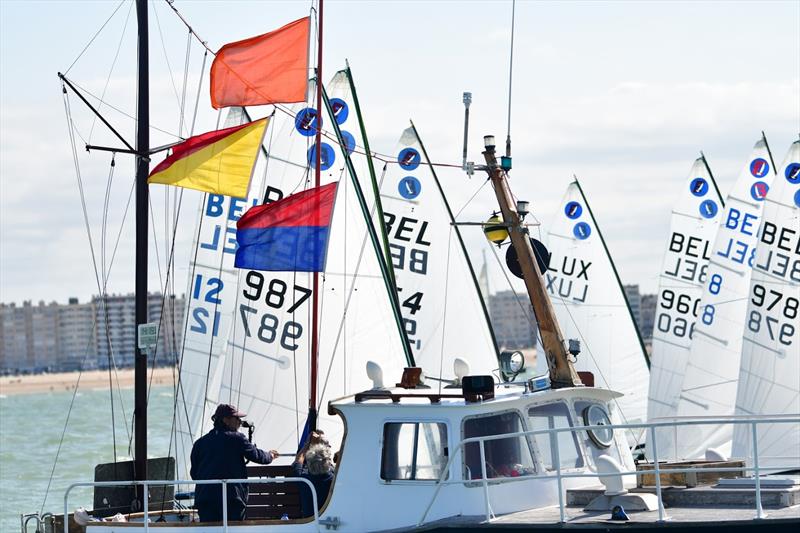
point(322, 485)
point(221, 454)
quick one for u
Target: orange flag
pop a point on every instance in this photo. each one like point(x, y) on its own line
point(267, 69)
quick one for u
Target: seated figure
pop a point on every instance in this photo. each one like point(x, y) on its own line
point(315, 464)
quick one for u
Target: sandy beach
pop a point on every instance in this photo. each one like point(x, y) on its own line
point(94, 379)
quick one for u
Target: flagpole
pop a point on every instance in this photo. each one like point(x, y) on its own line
point(312, 400)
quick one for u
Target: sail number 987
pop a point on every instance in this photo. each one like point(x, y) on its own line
point(268, 328)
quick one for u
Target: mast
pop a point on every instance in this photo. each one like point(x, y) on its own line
point(562, 373)
point(142, 171)
point(314, 363)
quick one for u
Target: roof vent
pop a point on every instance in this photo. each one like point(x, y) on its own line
point(375, 373)
point(460, 369)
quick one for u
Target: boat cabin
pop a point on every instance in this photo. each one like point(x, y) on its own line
point(404, 460)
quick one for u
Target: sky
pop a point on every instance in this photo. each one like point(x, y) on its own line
point(623, 95)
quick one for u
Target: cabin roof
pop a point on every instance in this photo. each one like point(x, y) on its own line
point(453, 398)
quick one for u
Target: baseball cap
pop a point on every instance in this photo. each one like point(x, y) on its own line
point(225, 409)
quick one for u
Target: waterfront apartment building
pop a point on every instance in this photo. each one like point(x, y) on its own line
point(72, 336)
point(513, 320)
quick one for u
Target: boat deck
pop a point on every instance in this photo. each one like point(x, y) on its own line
point(709, 508)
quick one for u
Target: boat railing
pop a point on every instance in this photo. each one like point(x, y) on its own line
point(163, 482)
point(753, 422)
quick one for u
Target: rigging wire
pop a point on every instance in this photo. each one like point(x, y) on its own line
point(444, 311)
point(95, 36)
point(166, 59)
point(111, 69)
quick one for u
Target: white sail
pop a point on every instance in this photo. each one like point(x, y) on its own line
point(709, 383)
point(769, 374)
point(210, 301)
point(694, 224)
point(357, 316)
point(267, 373)
point(591, 307)
point(443, 312)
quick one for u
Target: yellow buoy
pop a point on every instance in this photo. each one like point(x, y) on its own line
point(495, 231)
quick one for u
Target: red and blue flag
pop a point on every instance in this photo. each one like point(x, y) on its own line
point(288, 235)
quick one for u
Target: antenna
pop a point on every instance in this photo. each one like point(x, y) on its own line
point(468, 167)
point(510, 72)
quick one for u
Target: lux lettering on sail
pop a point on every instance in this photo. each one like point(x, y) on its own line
point(691, 252)
point(559, 284)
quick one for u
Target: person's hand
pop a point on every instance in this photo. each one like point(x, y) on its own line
point(300, 457)
point(274, 454)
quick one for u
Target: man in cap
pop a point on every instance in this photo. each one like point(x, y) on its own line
point(221, 454)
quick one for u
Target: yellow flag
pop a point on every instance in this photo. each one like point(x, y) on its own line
point(220, 162)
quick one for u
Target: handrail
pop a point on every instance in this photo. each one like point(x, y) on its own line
point(224, 492)
point(734, 420)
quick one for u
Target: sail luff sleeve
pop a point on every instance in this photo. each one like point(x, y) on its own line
point(373, 178)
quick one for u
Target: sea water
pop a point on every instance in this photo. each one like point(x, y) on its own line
point(49, 441)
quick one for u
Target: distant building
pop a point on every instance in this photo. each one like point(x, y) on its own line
point(513, 320)
point(76, 336)
point(648, 316)
point(116, 328)
point(634, 301)
point(14, 353)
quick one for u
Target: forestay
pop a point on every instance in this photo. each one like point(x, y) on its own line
point(709, 384)
point(210, 302)
point(769, 374)
point(591, 306)
point(444, 315)
point(694, 224)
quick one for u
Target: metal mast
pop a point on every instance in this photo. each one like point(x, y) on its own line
point(142, 171)
point(562, 373)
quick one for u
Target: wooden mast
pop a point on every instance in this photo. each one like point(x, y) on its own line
point(562, 373)
point(142, 171)
point(312, 396)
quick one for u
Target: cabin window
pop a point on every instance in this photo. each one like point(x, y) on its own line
point(413, 451)
point(550, 416)
point(506, 457)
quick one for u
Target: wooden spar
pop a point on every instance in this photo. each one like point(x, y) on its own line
point(562, 373)
point(142, 207)
point(312, 396)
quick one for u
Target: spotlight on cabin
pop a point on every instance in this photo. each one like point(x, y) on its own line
point(523, 208)
point(511, 364)
point(375, 373)
point(495, 231)
point(574, 347)
point(460, 369)
point(488, 142)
